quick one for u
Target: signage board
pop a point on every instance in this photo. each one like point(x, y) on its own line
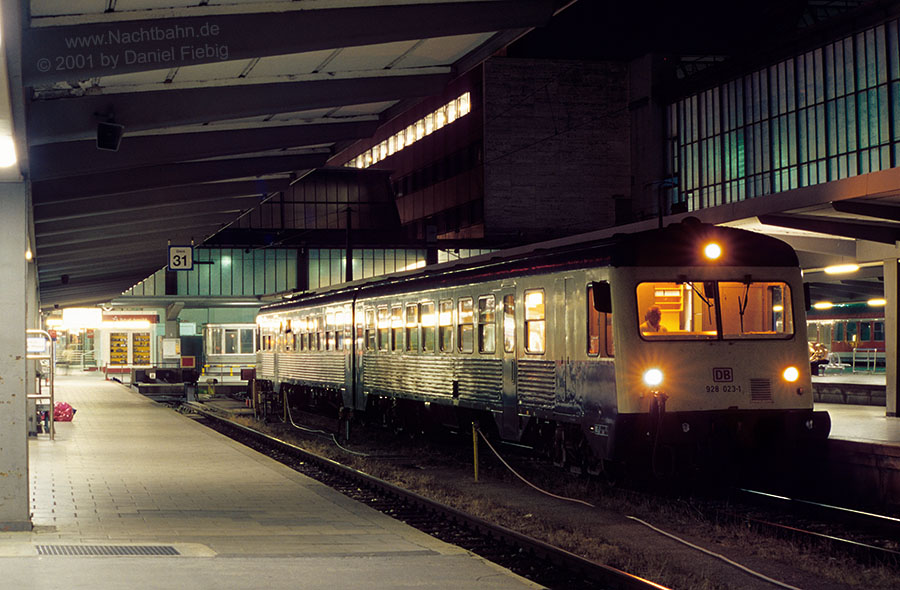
point(181, 258)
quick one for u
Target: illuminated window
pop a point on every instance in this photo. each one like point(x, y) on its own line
point(487, 327)
point(535, 324)
point(466, 326)
point(509, 323)
point(429, 320)
point(370, 329)
point(384, 328)
point(444, 115)
point(412, 327)
point(396, 328)
point(445, 335)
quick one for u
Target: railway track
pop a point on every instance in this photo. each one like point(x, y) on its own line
point(867, 537)
point(530, 558)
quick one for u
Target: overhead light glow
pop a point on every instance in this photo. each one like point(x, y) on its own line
point(777, 308)
point(877, 302)
point(28, 254)
point(839, 269)
point(823, 305)
point(712, 251)
point(82, 317)
point(7, 151)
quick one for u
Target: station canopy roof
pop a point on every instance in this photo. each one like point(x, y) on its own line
point(223, 103)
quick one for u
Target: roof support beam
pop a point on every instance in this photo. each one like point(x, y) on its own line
point(170, 175)
point(124, 238)
point(72, 50)
point(868, 208)
point(875, 232)
point(134, 225)
point(76, 158)
point(67, 119)
point(53, 210)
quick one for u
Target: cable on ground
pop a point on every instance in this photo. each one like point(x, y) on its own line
point(716, 555)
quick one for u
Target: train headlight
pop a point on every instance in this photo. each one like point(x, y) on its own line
point(712, 251)
point(791, 374)
point(653, 377)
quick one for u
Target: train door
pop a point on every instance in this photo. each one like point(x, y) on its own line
point(509, 426)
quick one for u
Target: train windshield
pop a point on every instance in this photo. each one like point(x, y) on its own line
point(713, 310)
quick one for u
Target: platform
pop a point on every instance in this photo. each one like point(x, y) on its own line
point(127, 472)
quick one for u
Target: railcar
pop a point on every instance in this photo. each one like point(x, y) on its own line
point(549, 347)
point(229, 350)
point(852, 334)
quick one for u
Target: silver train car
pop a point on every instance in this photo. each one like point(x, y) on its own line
point(688, 340)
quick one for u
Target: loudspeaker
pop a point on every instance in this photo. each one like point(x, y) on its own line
point(109, 135)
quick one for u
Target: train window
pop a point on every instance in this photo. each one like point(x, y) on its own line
point(466, 325)
point(839, 331)
point(487, 324)
point(428, 325)
point(329, 330)
point(509, 323)
point(247, 340)
point(535, 323)
point(599, 329)
point(396, 328)
point(340, 328)
point(412, 327)
point(231, 341)
point(878, 331)
point(370, 329)
point(687, 310)
point(852, 328)
point(595, 324)
point(215, 341)
point(384, 328)
point(865, 331)
point(446, 325)
point(320, 332)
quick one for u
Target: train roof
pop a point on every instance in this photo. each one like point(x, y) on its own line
point(677, 245)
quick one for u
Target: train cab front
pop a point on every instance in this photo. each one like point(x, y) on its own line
point(713, 361)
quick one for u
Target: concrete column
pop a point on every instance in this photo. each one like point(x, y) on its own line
point(891, 312)
point(14, 513)
point(32, 320)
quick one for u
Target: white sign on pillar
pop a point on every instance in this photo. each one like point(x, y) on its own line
point(181, 257)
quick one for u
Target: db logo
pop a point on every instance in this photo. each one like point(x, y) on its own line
point(722, 374)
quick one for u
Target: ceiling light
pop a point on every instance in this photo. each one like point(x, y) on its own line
point(823, 305)
point(7, 151)
point(877, 302)
point(841, 268)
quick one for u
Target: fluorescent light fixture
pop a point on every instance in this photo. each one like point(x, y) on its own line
point(82, 317)
point(777, 308)
point(126, 325)
point(28, 254)
point(7, 151)
point(838, 269)
point(877, 302)
point(823, 305)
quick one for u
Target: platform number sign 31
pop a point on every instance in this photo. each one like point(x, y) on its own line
point(181, 257)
